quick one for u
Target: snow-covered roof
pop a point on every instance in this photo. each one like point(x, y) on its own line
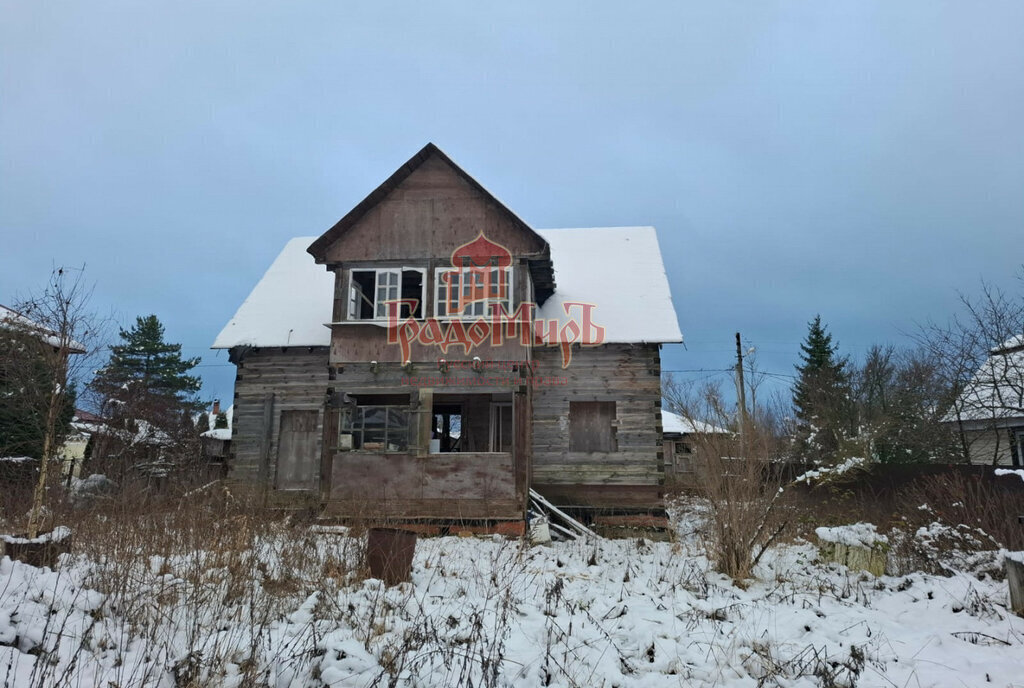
point(618, 269)
point(12, 319)
point(674, 423)
point(288, 306)
point(211, 420)
point(996, 392)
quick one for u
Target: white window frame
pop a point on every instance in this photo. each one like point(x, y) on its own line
point(479, 309)
point(379, 309)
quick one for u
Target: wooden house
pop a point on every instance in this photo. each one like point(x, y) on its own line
point(989, 413)
point(682, 436)
point(431, 356)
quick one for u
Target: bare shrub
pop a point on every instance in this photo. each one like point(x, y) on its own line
point(976, 500)
point(740, 475)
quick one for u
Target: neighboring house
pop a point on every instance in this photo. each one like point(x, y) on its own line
point(681, 436)
point(216, 441)
point(11, 319)
point(990, 411)
point(72, 453)
point(431, 356)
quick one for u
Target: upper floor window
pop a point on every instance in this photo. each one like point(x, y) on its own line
point(370, 290)
point(472, 292)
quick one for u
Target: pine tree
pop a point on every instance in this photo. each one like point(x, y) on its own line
point(821, 394)
point(221, 421)
point(146, 378)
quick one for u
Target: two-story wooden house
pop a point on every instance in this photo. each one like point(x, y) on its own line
point(431, 356)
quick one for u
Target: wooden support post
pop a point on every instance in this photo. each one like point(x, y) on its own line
point(424, 421)
point(1015, 580)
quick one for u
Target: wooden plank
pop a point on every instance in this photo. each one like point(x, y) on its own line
point(298, 458)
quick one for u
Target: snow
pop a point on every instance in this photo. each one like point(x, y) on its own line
point(827, 472)
point(617, 269)
point(1014, 342)
point(625, 613)
point(856, 535)
point(289, 306)
point(14, 320)
point(1006, 471)
point(675, 423)
point(211, 420)
point(56, 535)
point(620, 271)
point(996, 392)
point(16, 459)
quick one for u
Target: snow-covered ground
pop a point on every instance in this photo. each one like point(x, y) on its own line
point(484, 612)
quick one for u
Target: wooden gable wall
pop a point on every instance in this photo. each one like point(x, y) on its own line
point(430, 213)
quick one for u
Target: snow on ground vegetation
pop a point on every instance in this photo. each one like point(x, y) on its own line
point(295, 609)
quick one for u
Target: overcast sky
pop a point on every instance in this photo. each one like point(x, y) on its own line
point(864, 160)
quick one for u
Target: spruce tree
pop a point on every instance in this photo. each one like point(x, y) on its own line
point(146, 377)
point(821, 394)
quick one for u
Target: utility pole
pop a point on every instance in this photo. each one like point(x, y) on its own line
point(741, 394)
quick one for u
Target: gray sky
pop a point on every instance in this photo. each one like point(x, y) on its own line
point(863, 160)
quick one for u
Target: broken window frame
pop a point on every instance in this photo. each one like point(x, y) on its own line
point(387, 282)
point(481, 308)
point(391, 426)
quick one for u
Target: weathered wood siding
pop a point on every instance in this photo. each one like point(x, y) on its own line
point(416, 484)
point(267, 383)
point(427, 216)
point(458, 486)
point(630, 477)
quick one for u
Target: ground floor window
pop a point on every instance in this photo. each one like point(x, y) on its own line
point(375, 424)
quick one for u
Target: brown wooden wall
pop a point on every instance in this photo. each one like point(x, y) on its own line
point(632, 476)
point(269, 381)
point(473, 484)
point(428, 215)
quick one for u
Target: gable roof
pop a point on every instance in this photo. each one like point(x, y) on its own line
point(318, 248)
point(996, 392)
point(287, 307)
point(13, 320)
point(673, 423)
point(618, 269)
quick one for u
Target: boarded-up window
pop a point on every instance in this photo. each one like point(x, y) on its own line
point(592, 426)
point(298, 462)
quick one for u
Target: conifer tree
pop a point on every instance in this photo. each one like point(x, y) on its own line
point(146, 377)
point(821, 394)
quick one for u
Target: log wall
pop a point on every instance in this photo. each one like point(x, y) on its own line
point(632, 476)
point(267, 382)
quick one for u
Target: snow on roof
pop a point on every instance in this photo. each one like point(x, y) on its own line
point(620, 271)
point(288, 306)
point(1014, 342)
point(211, 418)
point(674, 423)
point(996, 392)
point(617, 269)
point(12, 319)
